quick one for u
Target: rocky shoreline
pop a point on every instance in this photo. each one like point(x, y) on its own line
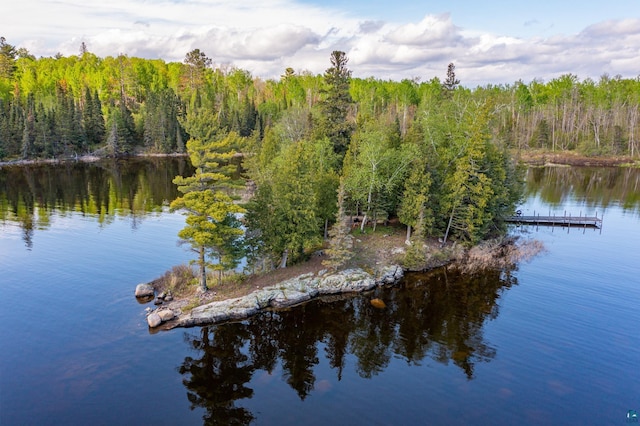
point(279, 296)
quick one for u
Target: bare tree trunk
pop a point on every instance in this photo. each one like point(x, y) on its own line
point(446, 234)
point(408, 239)
point(633, 116)
point(203, 270)
point(285, 256)
point(326, 228)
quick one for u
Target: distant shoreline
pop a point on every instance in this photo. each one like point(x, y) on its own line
point(565, 158)
point(88, 158)
point(531, 158)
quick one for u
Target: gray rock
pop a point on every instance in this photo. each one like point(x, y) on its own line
point(290, 297)
point(166, 314)
point(287, 293)
point(390, 275)
point(154, 320)
point(349, 280)
point(144, 290)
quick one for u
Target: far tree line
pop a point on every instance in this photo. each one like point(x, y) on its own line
point(82, 104)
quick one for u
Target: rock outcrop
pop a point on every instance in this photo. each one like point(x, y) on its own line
point(144, 290)
point(285, 294)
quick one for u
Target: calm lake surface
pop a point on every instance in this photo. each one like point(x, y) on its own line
point(553, 341)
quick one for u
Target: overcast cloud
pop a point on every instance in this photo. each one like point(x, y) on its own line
point(265, 37)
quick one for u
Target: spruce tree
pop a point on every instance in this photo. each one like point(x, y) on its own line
point(335, 107)
point(341, 242)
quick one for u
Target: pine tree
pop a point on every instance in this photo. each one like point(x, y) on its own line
point(341, 242)
point(213, 229)
point(451, 82)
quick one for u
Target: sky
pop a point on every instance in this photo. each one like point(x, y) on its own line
point(494, 42)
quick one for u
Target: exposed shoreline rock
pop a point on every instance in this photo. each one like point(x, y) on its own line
point(285, 294)
point(144, 290)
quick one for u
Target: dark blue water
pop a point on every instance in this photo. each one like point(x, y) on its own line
point(553, 341)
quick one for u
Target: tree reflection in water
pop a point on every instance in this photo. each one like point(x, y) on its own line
point(439, 315)
point(31, 194)
point(217, 379)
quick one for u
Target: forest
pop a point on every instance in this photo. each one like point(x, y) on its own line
point(432, 153)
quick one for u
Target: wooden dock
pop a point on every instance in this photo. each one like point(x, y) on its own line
point(564, 220)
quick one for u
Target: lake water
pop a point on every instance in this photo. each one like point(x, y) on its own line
point(554, 341)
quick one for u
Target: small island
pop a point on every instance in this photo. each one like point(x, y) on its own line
point(378, 263)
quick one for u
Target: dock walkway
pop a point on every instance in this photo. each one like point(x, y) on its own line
point(584, 221)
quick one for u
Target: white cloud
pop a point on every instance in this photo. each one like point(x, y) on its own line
point(435, 31)
point(267, 36)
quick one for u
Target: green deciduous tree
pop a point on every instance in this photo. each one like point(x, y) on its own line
point(8, 55)
point(374, 170)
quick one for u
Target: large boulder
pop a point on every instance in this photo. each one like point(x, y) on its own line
point(347, 281)
point(390, 275)
point(165, 314)
point(154, 320)
point(289, 297)
point(144, 290)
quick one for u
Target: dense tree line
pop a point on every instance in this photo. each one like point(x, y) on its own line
point(58, 106)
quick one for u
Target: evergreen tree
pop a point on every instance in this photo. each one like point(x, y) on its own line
point(283, 211)
point(93, 119)
point(334, 109)
point(341, 242)
point(213, 229)
point(414, 211)
point(4, 129)
point(121, 130)
point(197, 62)
point(46, 139)
point(451, 82)
point(29, 130)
